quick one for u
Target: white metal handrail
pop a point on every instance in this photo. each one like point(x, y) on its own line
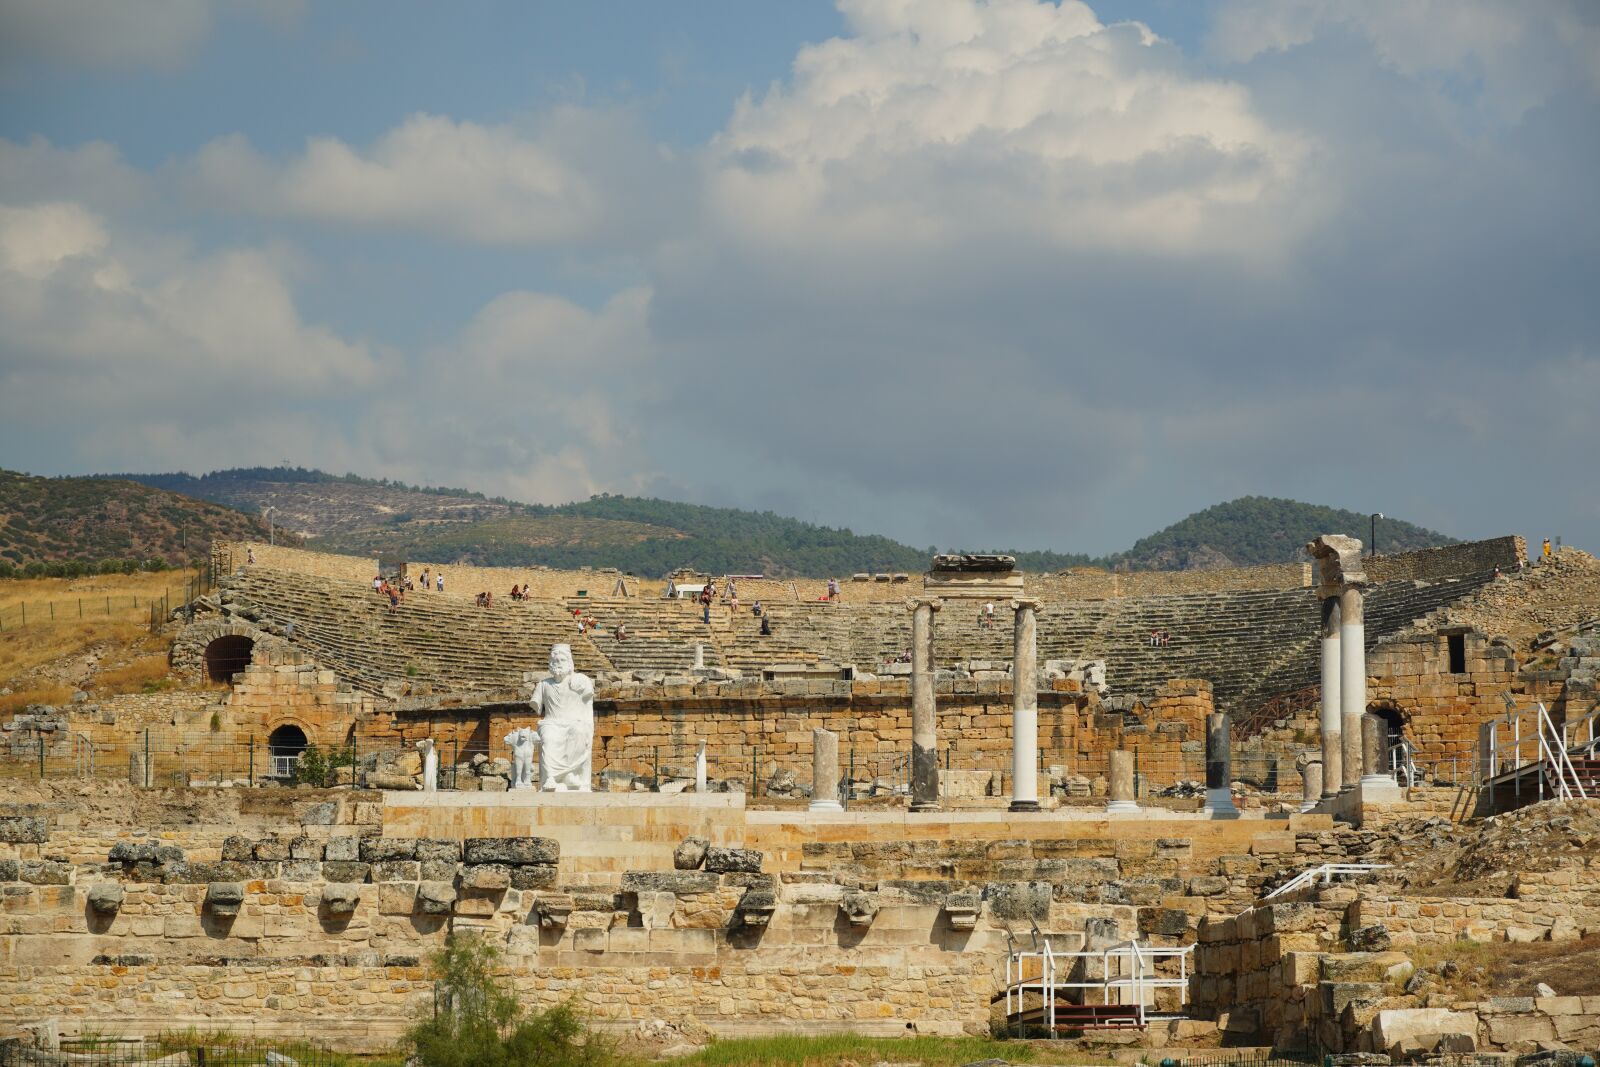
point(1553, 743)
point(1401, 762)
point(1326, 872)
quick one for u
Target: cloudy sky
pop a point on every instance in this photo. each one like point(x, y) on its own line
point(1005, 274)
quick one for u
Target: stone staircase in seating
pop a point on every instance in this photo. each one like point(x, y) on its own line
point(445, 642)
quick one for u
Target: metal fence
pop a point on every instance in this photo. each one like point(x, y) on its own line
point(154, 608)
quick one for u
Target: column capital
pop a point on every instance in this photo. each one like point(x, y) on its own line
point(932, 603)
point(1031, 603)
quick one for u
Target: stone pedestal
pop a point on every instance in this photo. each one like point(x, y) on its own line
point(825, 770)
point(1311, 782)
point(1332, 725)
point(1352, 681)
point(1120, 797)
point(1375, 752)
point(1025, 707)
point(924, 712)
point(1219, 766)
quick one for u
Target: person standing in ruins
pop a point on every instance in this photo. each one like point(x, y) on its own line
point(1547, 548)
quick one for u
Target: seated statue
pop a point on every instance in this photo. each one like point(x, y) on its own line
point(565, 700)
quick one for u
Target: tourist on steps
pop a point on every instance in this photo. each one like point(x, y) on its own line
point(441, 581)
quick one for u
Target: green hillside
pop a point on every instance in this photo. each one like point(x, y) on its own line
point(77, 524)
point(346, 513)
point(1256, 530)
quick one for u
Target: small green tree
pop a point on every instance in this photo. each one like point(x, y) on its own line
point(311, 768)
point(476, 1022)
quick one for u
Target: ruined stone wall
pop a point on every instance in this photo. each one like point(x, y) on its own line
point(1448, 561)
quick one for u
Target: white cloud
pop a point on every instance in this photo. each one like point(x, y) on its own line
point(578, 174)
point(938, 119)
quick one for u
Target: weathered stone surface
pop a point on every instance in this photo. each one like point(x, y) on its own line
point(396, 871)
point(533, 876)
point(756, 906)
point(1019, 900)
point(223, 899)
point(435, 898)
point(45, 872)
point(1419, 1029)
point(9, 870)
point(301, 871)
point(343, 871)
point(105, 898)
point(376, 849)
point(438, 870)
point(24, 829)
point(324, 814)
point(682, 883)
point(342, 848)
point(305, 848)
point(691, 854)
point(511, 850)
point(238, 848)
point(486, 876)
point(1374, 938)
point(341, 898)
point(271, 850)
point(438, 849)
point(733, 860)
point(859, 907)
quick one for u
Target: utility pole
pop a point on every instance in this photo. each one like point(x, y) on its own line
point(1372, 540)
point(267, 511)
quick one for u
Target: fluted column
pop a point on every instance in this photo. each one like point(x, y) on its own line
point(1374, 751)
point(1332, 750)
point(1025, 707)
point(1120, 796)
point(1352, 682)
point(924, 712)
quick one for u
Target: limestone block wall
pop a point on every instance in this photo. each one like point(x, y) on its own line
point(1448, 561)
point(1258, 972)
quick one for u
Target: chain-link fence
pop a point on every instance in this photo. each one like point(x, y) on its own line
point(172, 1051)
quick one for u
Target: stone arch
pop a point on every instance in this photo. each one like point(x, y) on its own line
point(227, 655)
point(284, 745)
point(190, 647)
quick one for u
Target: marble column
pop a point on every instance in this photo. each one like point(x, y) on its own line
point(1332, 750)
point(924, 713)
point(1375, 751)
point(1352, 682)
point(1219, 765)
point(700, 769)
point(1311, 782)
point(1120, 797)
point(825, 770)
point(1025, 707)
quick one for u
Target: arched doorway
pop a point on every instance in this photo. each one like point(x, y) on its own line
point(227, 656)
point(1397, 749)
point(285, 745)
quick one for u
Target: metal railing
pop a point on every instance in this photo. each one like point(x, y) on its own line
point(1325, 873)
point(1528, 737)
point(1128, 969)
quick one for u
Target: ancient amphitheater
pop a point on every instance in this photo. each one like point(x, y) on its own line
point(1275, 808)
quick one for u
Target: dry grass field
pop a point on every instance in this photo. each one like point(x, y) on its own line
point(96, 638)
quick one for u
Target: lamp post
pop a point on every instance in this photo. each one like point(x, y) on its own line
point(267, 511)
point(1372, 539)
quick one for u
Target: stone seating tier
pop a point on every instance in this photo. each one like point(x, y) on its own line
point(1250, 645)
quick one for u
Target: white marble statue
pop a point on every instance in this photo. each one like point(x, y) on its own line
point(430, 765)
point(522, 741)
point(566, 732)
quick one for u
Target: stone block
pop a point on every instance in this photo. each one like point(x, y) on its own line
point(272, 850)
point(1019, 900)
point(589, 940)
point(378, 849)
point(24, 829)
point(105, 898)
point(435, 898)
point(396, 871)
point(302, 871)
point(438, 849)
point(511, 850)
point(1419, 1029)
point(342, 848)
point(681, 883)
point(341, 898)
point(343, 871)
point(305, 848)
point(397, 898)
point(438, 870)
point(732, 860)
point(689, 855)
point(223, 899)
point(486, 876)
point(45, 872)
point(236, 848)
point(533, 876)
point(323, 814)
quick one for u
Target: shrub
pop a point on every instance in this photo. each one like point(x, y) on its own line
point(312, 767)
point(479, 1023)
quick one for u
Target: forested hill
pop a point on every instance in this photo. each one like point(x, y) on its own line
point(101, 524)
point(1256, 530)
point(346, 513)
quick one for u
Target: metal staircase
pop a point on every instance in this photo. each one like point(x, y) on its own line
point(1527, 758)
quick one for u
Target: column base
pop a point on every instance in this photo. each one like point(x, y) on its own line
point(1377, 781)
point(825, 805)
point(1308, 806)
point(1123, 807)
point(926, 807)
point(1219, 802)
point(1024, 805)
